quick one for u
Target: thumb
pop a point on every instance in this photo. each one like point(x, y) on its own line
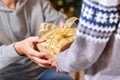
point(57, 70)
point(36, 39)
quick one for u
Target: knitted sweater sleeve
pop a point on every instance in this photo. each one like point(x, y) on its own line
point(98, 21)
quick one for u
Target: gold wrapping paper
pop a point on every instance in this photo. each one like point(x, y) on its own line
point(56, 39)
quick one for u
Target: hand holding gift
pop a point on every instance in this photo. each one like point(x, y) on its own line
point(56, 39)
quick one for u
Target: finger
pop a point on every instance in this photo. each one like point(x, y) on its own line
point(61, 24)
point(45, 66)
point(42, 65)
point(36, 39)
point(41, 61)
point(35, 53)
point(57, 69)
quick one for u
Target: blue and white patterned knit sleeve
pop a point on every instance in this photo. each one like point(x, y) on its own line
point(98, 21)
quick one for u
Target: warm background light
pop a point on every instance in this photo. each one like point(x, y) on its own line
point(69, 7)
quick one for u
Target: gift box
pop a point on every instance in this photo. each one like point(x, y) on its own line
point(56, 39)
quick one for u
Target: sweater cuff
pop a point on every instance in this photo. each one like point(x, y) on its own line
point(8, 55)
point(11, 51)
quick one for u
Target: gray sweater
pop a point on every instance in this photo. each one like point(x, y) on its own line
point(16, 25)
point(96, 48)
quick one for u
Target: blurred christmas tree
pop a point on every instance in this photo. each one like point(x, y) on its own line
point(69, 7)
